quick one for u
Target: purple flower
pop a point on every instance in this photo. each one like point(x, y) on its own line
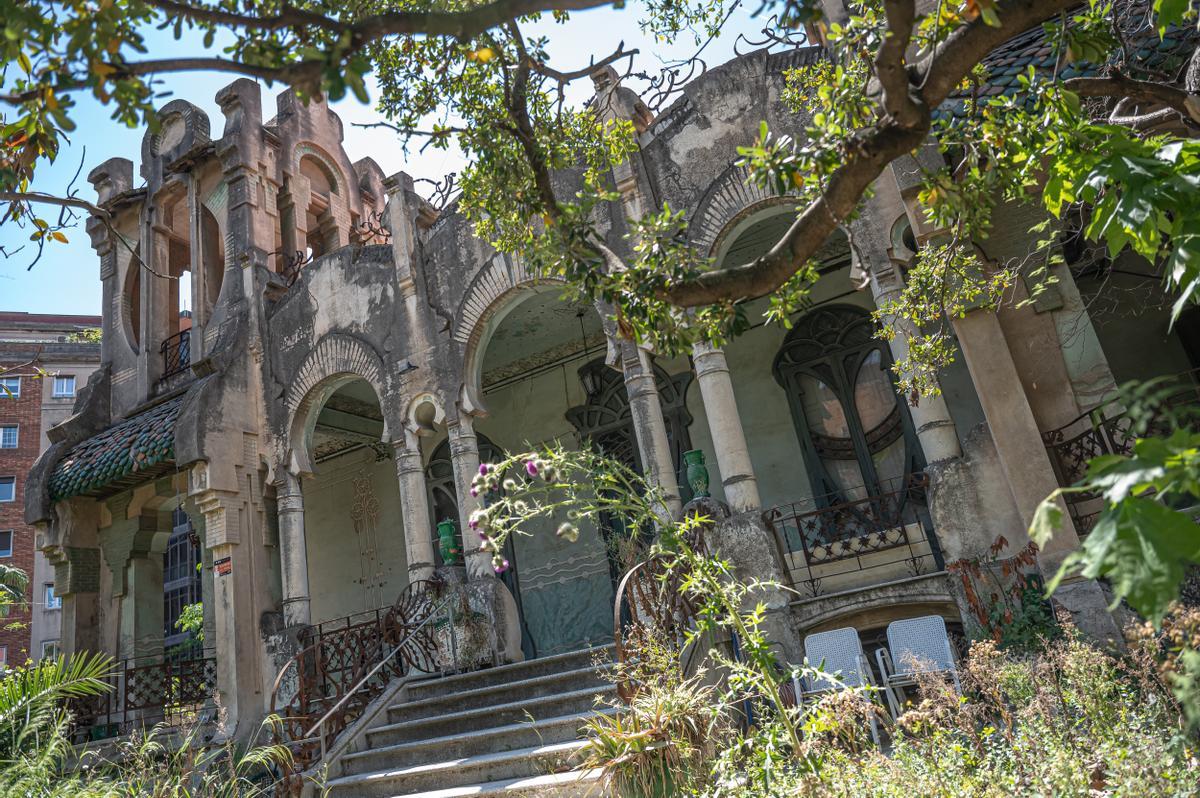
point(501, 567)
point(473, 523)
point(483, 469)
point(474, 493)
point(531, 468)
point(483, 535)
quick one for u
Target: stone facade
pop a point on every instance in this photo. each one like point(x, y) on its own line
point(330, 407)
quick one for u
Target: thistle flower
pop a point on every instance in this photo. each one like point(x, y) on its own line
point(500, 565)
point(474, 492)
point(509, 484)
point(568, 532)
point(531, 468)
point(483, 469)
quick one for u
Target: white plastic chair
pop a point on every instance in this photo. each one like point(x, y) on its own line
point(837, 652)
point(919, 645)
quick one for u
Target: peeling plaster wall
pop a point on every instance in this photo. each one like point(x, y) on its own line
point(344, 576)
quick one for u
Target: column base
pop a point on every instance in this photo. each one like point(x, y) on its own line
point(1085, 601)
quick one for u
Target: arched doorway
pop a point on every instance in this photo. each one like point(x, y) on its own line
point(854, 429)
point(443, 505)
point(353, 527)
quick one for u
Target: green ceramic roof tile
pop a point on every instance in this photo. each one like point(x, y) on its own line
point(1031, 48)
point(135, 444)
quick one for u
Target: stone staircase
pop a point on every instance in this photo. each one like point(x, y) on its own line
point(506, 731)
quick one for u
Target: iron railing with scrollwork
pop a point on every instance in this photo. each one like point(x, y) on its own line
point(1109, 429)
point(176, 353)
point(837, 544)
point(147, 691)
point(345, 664)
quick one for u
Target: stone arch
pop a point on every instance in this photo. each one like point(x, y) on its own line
point(496, 290)
point(335, 361)
point(321, 158)
point(728, 200)
point(875, 608)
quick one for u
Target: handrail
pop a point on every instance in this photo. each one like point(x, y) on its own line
point(378, 666)
point(1184, 380)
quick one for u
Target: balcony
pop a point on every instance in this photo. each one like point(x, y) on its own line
point(176, 354)
point(858, 543)
point(1110, 429)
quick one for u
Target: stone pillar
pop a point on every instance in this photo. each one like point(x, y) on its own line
point(725, 424)
point(142, 607)
point(1025, 463)
point(935, 429)
point(293, 551)
point(77, 583)
point(236, 624)
point(414, 505)
point(464, 452)
point(645, 408)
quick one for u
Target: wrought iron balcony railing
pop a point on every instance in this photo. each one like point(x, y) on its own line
point(176, 353)
point(147, 691)
point(849, 544)
point(1109, 429)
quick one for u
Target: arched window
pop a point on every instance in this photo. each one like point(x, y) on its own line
point(854, 429)
point(605, 420)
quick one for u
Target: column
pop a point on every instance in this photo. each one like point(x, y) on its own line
point(645, 408)
point(935, 429)
point(77, 583)
point(414, 504)
point(293, 551)
point(142, 607)
point(725, 425)
point(464, 452)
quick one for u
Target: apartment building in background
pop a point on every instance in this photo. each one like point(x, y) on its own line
point(45, 359)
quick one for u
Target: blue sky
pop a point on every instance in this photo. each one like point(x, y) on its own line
point(66, 279)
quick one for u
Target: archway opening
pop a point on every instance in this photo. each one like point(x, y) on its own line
point(354, 532)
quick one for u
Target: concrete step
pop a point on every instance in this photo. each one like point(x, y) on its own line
point(572, 784)
point(488, 717)
point(516, 672)
point(466, 772)
point(506, 693)
point(528, 734)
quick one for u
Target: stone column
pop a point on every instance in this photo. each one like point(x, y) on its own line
point(293, 551)
point(645, 407)
point(1026, 464)
point(725, 424)
point(142, 607)
point(414, 504)
point(236, 624)
point(464, 452)
point(935, 429)
point(77, 583)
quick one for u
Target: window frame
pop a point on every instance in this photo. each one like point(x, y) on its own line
point(56, 394)
point(10, 393)
point(16, 428)
point(12, 536)
point(13, 498)
point(51, 601)
point(55, 643)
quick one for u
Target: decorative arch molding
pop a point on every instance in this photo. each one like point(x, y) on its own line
point(328, 164)
point(497, 289)
point(875, 608)
point(336, 360)
point(729, 199)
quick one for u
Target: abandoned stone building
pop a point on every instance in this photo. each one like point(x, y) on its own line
point(307, 434)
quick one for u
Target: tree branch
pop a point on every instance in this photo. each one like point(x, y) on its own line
point(869, 152)
point(460, 24)
point(1140, 91)
point(50, 199)
point(897, 99)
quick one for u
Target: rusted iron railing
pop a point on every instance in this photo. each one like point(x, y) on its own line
point(848, 544)
point(147, 691)
point(1109, 429)
point(176, 353)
